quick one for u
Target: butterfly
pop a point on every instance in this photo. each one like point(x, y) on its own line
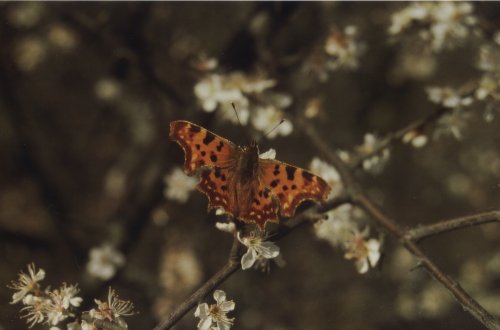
point(235, 179)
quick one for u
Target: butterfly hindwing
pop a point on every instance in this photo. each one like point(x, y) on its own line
point(263, 208)
point(214, 184)
point(201, 147)
point(292, 185)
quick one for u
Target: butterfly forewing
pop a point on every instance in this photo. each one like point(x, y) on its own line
point(292, 185)
point(201, 147)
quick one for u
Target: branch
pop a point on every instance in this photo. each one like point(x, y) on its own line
point(232, 265)
point(417, 125)
point(362, 200)
point(421, 232)
point(467, 302)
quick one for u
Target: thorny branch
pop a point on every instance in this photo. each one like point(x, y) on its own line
point(362, 200)
point(421, 232)
point(232, 265)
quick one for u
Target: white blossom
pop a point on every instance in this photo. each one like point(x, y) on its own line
point(228, 227)
point(417, 140)
point(26, 283)
point(329, 174)
point(257, 248)
point(343, 49)
point(452, 123)
point(447, 97)
point(442, 24)
point(178, 185)
point(104, 261)
point(375, 163)
point(112, 309)
point(265, 118)
point(338, 227)
point(269, 154)
point(216, 90)
point(215, 313)
point(366, 253)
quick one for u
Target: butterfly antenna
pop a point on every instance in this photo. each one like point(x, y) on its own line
point(274, 127)
point(236, 113)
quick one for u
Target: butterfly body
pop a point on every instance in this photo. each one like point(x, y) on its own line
point(236, 180)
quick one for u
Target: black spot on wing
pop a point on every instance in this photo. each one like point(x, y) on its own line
point(217, 172)
point(195, 129)
point(290, 172)
point(208, 138)
point(274, 183)
point(213, 158)
point(219, 146)
point(307, 176)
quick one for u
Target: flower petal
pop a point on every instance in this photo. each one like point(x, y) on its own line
point(219, 296)
point(227, 306)
point(201, 310)
point(205, 323)
point(248, 259)
point(268, 250)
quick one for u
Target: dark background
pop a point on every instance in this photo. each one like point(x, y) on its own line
point(61, 144)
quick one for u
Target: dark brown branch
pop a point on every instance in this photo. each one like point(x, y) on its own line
point(229, 268)
point(362, 200)
point(467, 302)
point(445, 226)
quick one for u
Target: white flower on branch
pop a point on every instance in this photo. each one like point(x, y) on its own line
point(417, 139)
point(113, 309)
point(34, 311)
point(366, 253)
point(341, 231)
point(489, 87)
point(338, 227)
point(222, 90)
point(264, 119)
point(376, 162)
point(257, 248)
point(61, 301)
point(26, 283)
point(442, 24)
point(452, 124)
point(178, 185)
point(343, 49)
point(447, 97)
point(215, 313)
point(104, 261)
point(329, 173)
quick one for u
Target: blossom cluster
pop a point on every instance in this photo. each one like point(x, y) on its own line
point(52, 307)
point(252, 98)
point(442, 25)
point(341, 231)
point(340, 50)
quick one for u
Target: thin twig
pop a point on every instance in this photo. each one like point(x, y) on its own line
point(362, 200)
point(418, 125)
point(421, 232)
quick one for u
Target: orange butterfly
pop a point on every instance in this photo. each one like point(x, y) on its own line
point(235, 179)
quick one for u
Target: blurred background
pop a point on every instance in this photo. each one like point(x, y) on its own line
point(87, 91)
